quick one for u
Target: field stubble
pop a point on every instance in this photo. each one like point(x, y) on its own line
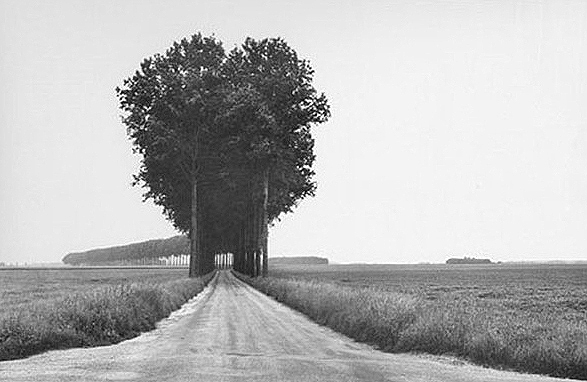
point(529, 318)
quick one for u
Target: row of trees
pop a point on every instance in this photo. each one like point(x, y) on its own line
point(225, 141)
point(130, 253)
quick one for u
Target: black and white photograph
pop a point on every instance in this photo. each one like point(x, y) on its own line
point(310, 190)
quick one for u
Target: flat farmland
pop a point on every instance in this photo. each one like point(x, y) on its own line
point(529, 317)
point(558, 290)
point(22, 286)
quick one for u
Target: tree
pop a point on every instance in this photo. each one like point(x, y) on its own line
point(225, 141)
point(284, 148)
point(170, 104)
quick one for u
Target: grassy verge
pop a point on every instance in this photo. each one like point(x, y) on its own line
point(104, 316)
point(401, 322)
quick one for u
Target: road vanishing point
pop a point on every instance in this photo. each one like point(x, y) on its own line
point(232, 332)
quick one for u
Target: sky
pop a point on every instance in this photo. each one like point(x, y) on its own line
point(458, 128)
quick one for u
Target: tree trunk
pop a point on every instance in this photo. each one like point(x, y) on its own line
point(265, 223)
point(255, 236)
point(251, 241)
point(241, 250)
point(195, 261)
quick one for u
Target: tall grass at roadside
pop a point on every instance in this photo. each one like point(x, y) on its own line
point(103, 316)
point(400, 322)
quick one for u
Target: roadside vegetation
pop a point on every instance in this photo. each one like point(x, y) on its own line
point(490, 328)
point(99, 316)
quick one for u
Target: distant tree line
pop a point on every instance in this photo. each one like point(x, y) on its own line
point(468, 260)
point(161, 252)
point(225, 142)
point(152, 250)
point(298, 260)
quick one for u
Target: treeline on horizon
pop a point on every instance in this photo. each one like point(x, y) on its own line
point(468, 260)
point(154, 249)
point(298, 260)
point(151, 249)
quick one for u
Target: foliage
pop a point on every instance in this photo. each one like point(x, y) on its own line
point(225, 140)
point(169, 104)
point(283, 82)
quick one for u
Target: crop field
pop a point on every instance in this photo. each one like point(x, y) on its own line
point(530, 318)
point(43, 309)
point(556, 290)
point(19, 287)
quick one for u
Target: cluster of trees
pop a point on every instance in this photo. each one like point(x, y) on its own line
point(468, 260)
point(225, 141)
point(152, 249)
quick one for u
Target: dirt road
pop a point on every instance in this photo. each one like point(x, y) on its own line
point(231, 332)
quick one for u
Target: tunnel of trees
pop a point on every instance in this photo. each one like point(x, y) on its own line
point(225, 142)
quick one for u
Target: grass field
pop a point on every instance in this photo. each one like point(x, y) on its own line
point(529, 318)
point(43, 309)
point(19, 287)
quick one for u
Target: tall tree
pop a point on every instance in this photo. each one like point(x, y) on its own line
point(225, 141)
point(282, 83)
point(170, 105)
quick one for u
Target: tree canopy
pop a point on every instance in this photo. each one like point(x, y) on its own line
point(225, 141)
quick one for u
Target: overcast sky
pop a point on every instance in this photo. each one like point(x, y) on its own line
point(458, 127)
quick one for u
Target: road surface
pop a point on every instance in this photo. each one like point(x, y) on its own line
point(231, 332)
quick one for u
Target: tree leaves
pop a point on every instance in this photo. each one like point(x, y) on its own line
point(196, 112)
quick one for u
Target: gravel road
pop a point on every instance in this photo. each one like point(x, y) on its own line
point(231, 332)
